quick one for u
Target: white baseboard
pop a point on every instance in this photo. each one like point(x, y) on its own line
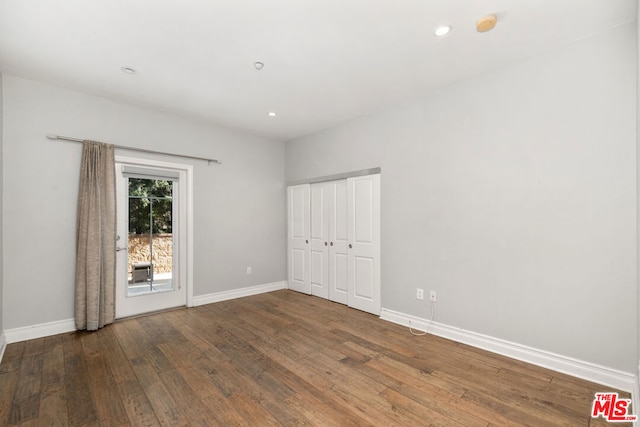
point(238, 293)
point(3, 345)
point(40, 330)
point(69, 325)
point(589, 371)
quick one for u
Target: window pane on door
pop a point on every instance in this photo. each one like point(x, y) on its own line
point(150, 236)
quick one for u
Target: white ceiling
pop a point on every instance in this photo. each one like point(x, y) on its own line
point(326, 61)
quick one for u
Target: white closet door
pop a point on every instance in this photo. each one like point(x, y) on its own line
point(363, 204)
point(320, 200)
point(298, 238)
point(338, 276)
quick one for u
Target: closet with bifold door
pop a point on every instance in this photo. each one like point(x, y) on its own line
point(334, 240)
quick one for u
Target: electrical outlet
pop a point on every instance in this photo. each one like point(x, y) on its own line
point(433, 297)
point(249, 270)
point(419, 293)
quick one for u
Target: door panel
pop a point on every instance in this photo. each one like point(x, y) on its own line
point(299, 256)
point(318, 220)
point(319, 240)
point(299, 270)
point(363, 200)
point(338, 277)
point(363, 277)
point(318, 274)
point(340, 211)
point(151, 226)
point(363, 211)
point(299, 212)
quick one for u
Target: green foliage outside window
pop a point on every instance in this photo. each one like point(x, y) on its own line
point(150, 206)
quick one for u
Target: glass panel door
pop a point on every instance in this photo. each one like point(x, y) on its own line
point(152, 260)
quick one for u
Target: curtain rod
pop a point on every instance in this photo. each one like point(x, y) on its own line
point(142, 150)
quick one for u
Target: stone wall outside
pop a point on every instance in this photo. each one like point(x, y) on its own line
point(139, 251)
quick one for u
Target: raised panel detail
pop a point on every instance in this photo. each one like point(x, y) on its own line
point(317, 268)
point(298, 221)
point(297, 264)
point(317, 218)
point(363, 215)
point(340, 211)
point(341, 278)
point(363, 277)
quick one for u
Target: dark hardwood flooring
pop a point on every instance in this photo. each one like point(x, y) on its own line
point(280, 358)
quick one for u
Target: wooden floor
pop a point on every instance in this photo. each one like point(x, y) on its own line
point(281, 358)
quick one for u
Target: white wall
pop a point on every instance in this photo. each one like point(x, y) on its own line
point(637, 397)
point(239, 214)
point(513, 195)
point(1, 210)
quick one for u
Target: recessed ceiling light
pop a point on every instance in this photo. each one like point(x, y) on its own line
point(128, 70)
point(259, 65)
point(442, 30)
point(272, 114)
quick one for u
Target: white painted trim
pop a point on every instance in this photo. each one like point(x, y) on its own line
point(337, 177)
point(40, 330)
point(63, 326)
point(589, 371)
point(190, 237)
point(238, 293)
point(3, 345)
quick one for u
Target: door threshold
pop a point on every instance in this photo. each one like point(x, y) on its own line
point(150, 313)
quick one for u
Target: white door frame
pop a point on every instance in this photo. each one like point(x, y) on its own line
point(185, 192)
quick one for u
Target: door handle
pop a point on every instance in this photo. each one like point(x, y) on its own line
point(118, 248)
point(306, 241)
point(331, 243)
point(325, 243)
point(350, 246)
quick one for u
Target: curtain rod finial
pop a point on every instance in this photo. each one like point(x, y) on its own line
point(52, 136)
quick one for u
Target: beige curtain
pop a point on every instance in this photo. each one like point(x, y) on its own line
point(96, 238)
